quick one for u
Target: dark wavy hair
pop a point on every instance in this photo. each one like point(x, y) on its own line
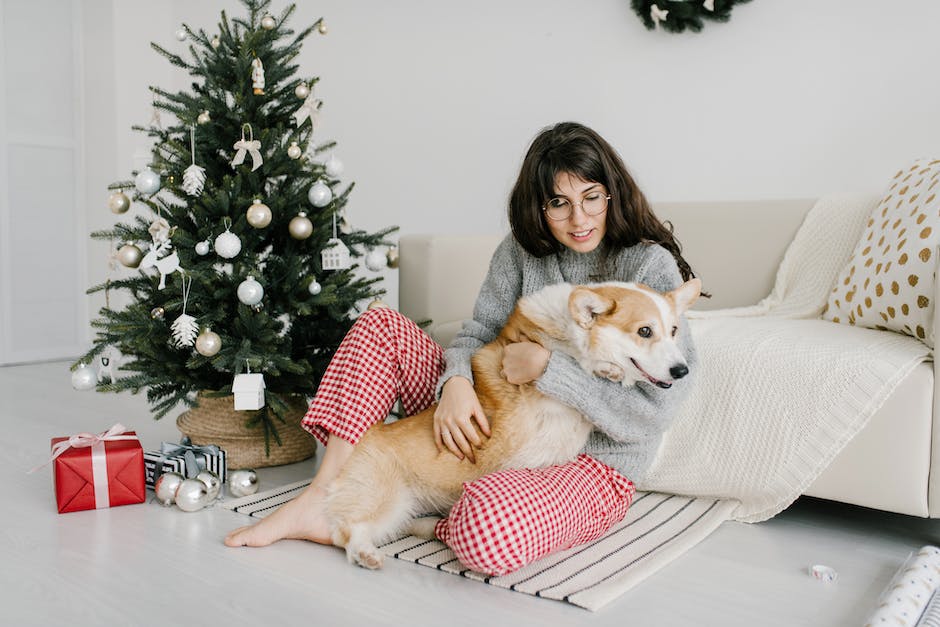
point(576, 149)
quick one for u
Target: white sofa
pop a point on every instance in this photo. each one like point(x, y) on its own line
point(735, 247)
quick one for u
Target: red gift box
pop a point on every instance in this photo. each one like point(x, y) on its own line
point(96, 471)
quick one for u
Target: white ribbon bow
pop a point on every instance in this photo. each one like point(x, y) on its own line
point(658, 15)
point(252, 147)
point(309, 109)
point(84, 440)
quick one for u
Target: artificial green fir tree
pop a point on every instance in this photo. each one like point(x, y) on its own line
point(245, 269)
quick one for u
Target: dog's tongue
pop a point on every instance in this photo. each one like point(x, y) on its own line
point(651, 378)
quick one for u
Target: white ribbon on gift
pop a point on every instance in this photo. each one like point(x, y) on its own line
point(252, 146)
point(309, 109)
point(99, 460)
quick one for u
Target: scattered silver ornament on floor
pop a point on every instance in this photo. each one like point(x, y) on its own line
point(166, 486)
point(242, 482)
point(192, 495)
point(212, 481)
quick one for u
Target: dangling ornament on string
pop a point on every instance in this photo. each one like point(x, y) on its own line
point(375, 260)
point(147, 181)
point(319, 194)
point(227, 244)
point(106, 363)
point(159, 231)
point(252, 147)
point(184, 328)
point(309, 109)
point(118, 202)
point(165, 265)
point(248, 390)
point(84, 378)
point(194, 177)
point(257, 77)
point(336, 255)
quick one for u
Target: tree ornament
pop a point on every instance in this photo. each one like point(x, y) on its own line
point(321, 27)
point(195, 176)
point(227, 244)
point(118, 202)
point(392, 257)
point(212, 481)
point(375, 260)
point(192, 495)
point(242, 482)
point(106, 362)
point(268, 22)
point(165, 265)
point(129, 256)
point(157, 313)
point(300, 226)
point(309, 109)
point(202, 248)
point(165, 487)
point(203, 118)
point(248, 390)
point(294, 151)
point(215, 43)
point(258, 214)
point(658, 15)
point(377, 304)
point(336, 255)
point(257, 77)
point(208, 343)
point(181, 34)
point(302, 91)
point(675, 16)
point(250, 292)
point(84, 378)
point(184, 328)
point(314, 287)
point(252, 147)
point(147, 182)
point(319, 194)
point(333, 166)
point(159, 231)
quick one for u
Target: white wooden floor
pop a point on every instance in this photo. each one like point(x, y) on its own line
point(149, 565)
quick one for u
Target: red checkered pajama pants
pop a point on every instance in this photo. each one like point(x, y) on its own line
point(502, 521)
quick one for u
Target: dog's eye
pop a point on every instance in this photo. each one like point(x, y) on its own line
point(644, 332)
point(674, 331)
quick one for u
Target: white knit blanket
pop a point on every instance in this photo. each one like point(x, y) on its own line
point(780, 391)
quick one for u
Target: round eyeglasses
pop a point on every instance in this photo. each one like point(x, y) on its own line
point(560, 208)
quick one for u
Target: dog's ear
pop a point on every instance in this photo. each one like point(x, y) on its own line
point(686, 294)
point(585, 305)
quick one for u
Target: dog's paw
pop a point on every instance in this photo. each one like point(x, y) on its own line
point(609, 370)
point(423, 527)
point(365, 556)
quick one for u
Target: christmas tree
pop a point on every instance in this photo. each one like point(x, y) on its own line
point(245, 261)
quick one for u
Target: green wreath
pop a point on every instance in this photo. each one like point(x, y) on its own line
point(677, 15)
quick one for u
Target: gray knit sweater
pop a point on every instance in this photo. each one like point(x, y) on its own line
point(629, 421)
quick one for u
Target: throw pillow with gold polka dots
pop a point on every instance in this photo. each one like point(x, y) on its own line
point(889, 281)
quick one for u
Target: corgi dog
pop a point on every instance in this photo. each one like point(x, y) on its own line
point(625, 332)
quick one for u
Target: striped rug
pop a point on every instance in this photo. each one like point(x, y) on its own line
point(658, 528)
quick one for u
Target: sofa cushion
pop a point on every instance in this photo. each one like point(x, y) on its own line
point(889, 281)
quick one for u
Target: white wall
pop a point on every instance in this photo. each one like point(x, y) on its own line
point(433, 103)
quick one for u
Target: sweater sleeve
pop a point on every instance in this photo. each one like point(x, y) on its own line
point(641, 410)
point(501, 288)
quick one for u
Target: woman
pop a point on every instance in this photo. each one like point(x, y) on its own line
point(577, 216)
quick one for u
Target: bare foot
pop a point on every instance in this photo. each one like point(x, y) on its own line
point(300, 519)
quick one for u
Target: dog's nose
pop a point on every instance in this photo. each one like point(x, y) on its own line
point(678, 371)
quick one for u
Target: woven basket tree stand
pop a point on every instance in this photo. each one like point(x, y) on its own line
point(215, 421)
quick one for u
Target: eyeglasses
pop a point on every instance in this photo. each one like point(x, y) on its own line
point(560, 208)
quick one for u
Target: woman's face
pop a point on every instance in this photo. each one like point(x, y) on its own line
point(580, 231)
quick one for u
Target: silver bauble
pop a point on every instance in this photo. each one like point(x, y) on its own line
point(227, 245)
point(130, 256)
point(375, 260)
point(157, 313)
point(118, 202)
point(258, 214)
point(294, 151)
point(215, 43)
point(203, 118)
point(192, 495)
point(212, 481)
point(314, 288)
point(202, 248)
point(208, 343)
point(181, 34)
point(250, 292)
point(242, 482)
point(84, 378)
point(268, 22)
point(147, 182)
point(319, 194)
point(300, 227)
point(166, 486)
point(333, 166)
point(302, 91)
point(392, 257)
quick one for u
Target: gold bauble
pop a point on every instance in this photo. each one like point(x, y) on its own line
point(203, 118)
point(300, 227)
point(392, 256)
point(258, 214)
point(129, 256)
point(157, 313)
point(322, 27)
point(268, 22)
point(118, 202)
point(208, 343)
point(215, 43)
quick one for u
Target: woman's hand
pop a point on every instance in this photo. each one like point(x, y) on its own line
point(453, 419)
point(524, 362)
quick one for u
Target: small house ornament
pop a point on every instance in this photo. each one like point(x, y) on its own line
point(249, 391)
point(336, 255)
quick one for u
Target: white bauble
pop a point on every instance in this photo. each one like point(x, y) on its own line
point(334, 167)
point(208, 343)
point(300, 226)
point(314, 288)
point(268, 22)
point(181, 34)
point(258, 214)
point(166, 486)
point(147, 182)
point(250, 292)
point(202, 248)
point(294, 151)
point(320, 194)
point(192, 495)
point(212, 481)
point(375, 260)
point(302, 91)
point(203, 118)
point(242, 482)
point(227, 245)
point(215, 43)
point(84, 378)
point(118, 202)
